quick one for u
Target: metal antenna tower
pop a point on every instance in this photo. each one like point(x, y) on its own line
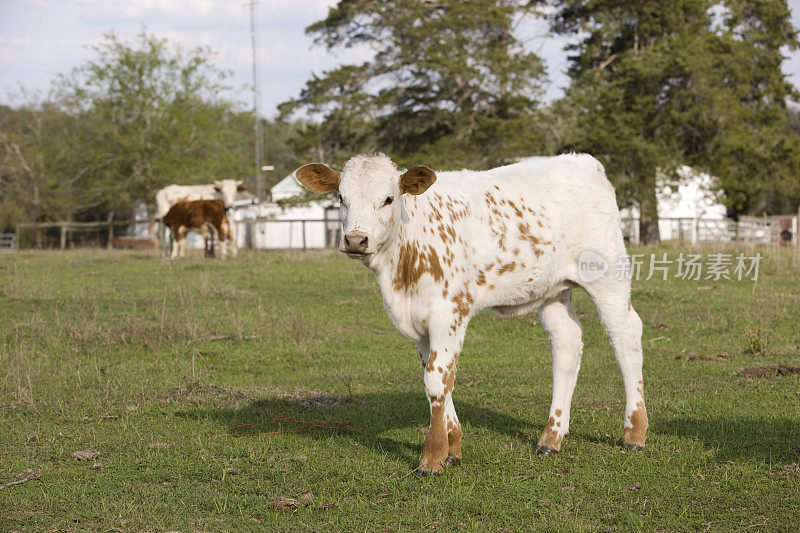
point(258, 132)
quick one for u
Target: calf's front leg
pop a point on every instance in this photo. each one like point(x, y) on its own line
point(443, 441)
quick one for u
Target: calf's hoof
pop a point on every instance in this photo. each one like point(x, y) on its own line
point(545, 450)
point(452, 460)
point(632, 447)
point(423, 471)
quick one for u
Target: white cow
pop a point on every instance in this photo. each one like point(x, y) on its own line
point(225, 190)
point(444, 246)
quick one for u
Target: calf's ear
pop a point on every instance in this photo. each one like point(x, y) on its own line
point(318, 178)
point(417, 179)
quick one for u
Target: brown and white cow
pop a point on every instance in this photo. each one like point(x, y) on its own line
point(444, 246)
point(202, 216)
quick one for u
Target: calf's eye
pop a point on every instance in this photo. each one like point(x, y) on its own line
point(388, 201)
point(341, 200)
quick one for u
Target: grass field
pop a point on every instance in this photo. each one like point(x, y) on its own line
point(144, 361)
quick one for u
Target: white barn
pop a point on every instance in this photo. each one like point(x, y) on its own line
point(280, 225)
point(688, 209)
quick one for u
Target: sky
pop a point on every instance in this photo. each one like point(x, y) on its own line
point(41, 38)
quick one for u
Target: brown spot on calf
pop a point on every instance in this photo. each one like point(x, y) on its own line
point(508, 267)
point(526, 233)
point(413, 263)
point(636, 433)
point(550, 436)
point(434, 451)
point(431, 360)
point(454, 438)
point(463, 303)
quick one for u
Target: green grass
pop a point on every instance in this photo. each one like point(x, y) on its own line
point(143, 360)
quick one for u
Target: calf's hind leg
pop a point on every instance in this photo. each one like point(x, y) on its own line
point(624, 328)
point(566, 344)
point(176, 240)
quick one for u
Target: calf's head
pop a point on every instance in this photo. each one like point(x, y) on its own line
point(227, 190)
point(370, 191)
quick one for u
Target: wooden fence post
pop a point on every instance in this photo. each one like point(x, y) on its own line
point(110, 230)
point(796, 238)
point(63, 236)
point(251, 229)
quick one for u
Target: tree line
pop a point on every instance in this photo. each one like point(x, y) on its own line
point(652, 86)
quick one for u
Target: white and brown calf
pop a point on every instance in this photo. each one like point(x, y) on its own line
point(444, 246)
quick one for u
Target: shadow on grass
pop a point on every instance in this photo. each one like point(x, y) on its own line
point(768, 441)
point(370, 414)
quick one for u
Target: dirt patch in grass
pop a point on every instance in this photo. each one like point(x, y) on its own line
point(31, 474)
point(691, 356)
point(290, 504)
point(306, 399)
point(768, 371)
point(85, 455)
point(194, 394)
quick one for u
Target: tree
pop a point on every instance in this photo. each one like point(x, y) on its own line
point(450, 84)
point(34, 183)
point(750, 146)
point(147, 114)
point(663, 83)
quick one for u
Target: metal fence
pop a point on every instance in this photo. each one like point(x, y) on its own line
point(260, 233)
point(287, 234)
point(8, 242)
point(750, 231)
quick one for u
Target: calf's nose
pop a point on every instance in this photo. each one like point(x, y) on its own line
point(355, 242)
